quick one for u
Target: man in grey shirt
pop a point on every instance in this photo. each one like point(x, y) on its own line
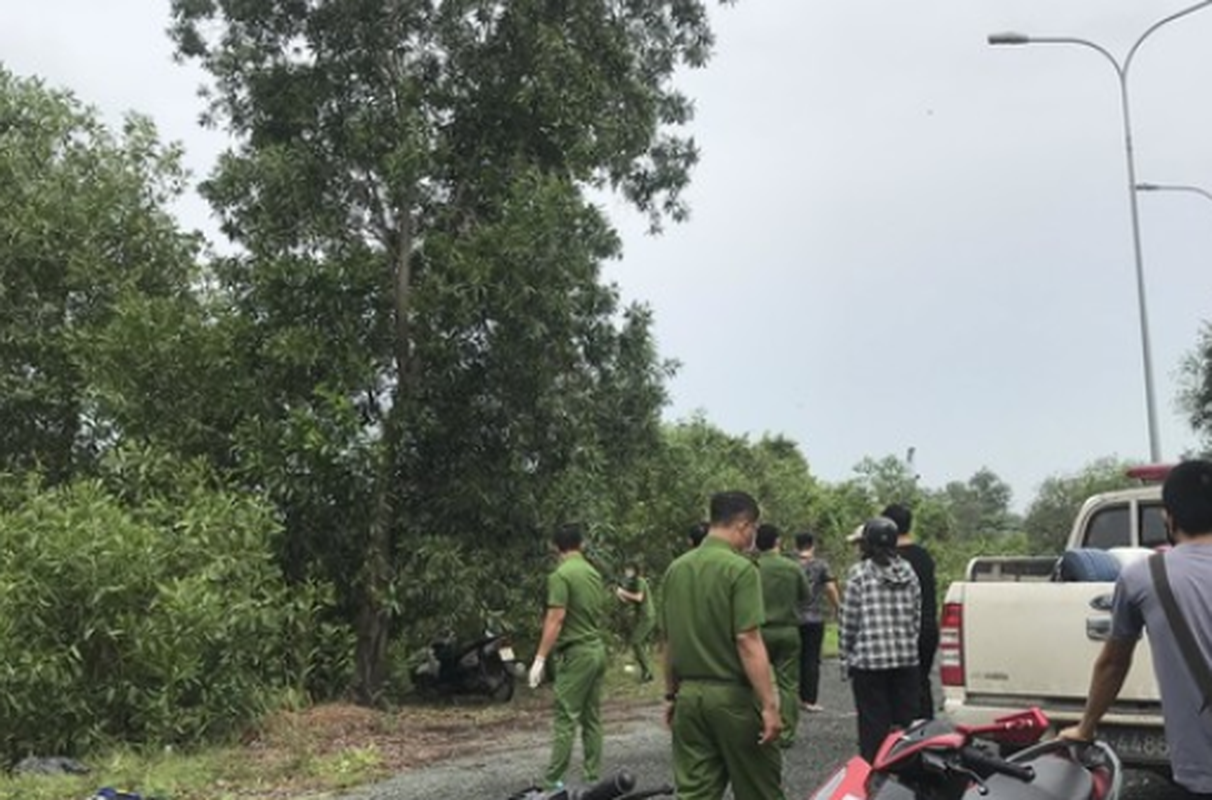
point(1187, 509)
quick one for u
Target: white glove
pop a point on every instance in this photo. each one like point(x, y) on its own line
point(536, 671)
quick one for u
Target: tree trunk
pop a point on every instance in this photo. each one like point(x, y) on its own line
point(378, 567)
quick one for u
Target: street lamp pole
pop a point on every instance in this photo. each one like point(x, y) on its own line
point(1172, 187)
point(1121, 72)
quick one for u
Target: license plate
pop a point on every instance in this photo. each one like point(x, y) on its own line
point(507, 654)
point(1137, 745)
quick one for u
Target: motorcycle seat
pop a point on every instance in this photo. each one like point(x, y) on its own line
point(1056, 778)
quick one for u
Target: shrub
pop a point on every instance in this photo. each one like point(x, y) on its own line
point(164, 621)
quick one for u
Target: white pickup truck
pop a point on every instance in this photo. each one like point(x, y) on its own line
point(1014, 634)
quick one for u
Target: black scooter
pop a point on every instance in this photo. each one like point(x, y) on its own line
point(485, 667)
point(938, 760)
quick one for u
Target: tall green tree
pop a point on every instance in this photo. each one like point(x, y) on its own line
point(1051, 513)
point(1195, 395)
point(888, 480)
point(84, 229)
point(377, 141)
point(980, 506)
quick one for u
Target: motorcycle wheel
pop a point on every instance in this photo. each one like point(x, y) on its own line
point(503, 692)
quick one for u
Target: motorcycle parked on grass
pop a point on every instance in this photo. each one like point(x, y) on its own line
point(486, 666)
point(939, 760)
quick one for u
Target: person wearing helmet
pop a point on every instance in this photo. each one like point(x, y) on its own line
point(881, 620)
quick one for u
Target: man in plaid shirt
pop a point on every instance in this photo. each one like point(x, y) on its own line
point(881, 620)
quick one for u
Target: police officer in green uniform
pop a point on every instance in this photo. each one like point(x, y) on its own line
point(634, 591)
point(572, 638)
point(720, 699)
point(784, 589)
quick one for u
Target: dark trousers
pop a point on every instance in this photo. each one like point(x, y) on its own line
point(884, 699)
point(927, 646)
point(812, 636)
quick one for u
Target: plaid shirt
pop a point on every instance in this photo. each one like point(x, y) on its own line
point(881, 616)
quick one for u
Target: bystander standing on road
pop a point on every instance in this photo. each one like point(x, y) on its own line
point(881, 617)
point(721, 703)
point(923, 567)
point(822, 587)
point(572, 638)
point(1169, 595)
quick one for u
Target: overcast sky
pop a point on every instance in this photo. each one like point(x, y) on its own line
point(901, 236)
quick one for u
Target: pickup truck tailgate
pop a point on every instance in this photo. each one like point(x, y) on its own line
point(1041, 644)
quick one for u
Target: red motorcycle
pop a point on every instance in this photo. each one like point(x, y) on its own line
point(938, 760)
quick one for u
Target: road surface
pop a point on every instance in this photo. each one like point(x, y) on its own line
point(641, 744)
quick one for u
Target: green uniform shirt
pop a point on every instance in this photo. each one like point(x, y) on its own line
point(708, 596)
point(576, 587)
point(784, 588)
point(645, 610)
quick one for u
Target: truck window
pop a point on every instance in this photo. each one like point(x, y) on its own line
point(1109, 527)
point(1152, 526)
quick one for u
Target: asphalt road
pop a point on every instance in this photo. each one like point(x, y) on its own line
point(825, 740)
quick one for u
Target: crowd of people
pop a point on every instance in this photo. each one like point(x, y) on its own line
point(743, 626)
point(743, 629)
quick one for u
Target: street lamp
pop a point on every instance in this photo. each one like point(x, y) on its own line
point(1172, 187)
point(1121, 71)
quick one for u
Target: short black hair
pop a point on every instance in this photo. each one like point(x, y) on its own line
point(728, 507)
point(1187, 496)
point(804, 540)
point(568, 536)
point(767, 537)
point(697, 533)
point(901, 515)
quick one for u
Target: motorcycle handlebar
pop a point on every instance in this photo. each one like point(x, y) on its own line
point(980, 761)
point(610, 788)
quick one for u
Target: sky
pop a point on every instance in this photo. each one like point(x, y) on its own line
point(900, 238)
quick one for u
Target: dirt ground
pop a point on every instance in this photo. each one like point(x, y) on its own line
point(411, 737)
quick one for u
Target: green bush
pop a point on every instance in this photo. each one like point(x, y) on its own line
point(161, 621)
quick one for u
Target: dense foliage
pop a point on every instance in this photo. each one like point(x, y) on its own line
point(1051, 513)
point(145, 607)
point(84, 230)
point(1196, 396)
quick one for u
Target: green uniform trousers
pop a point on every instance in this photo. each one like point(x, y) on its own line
point(639, 645)
point(716, 727)
point(783, 649)
point(579, 672)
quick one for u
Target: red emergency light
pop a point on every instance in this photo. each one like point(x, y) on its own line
point(1149, 473)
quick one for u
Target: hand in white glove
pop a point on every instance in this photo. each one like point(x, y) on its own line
point(536, 671)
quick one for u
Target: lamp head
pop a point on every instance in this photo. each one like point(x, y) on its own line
point(1009, 38)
